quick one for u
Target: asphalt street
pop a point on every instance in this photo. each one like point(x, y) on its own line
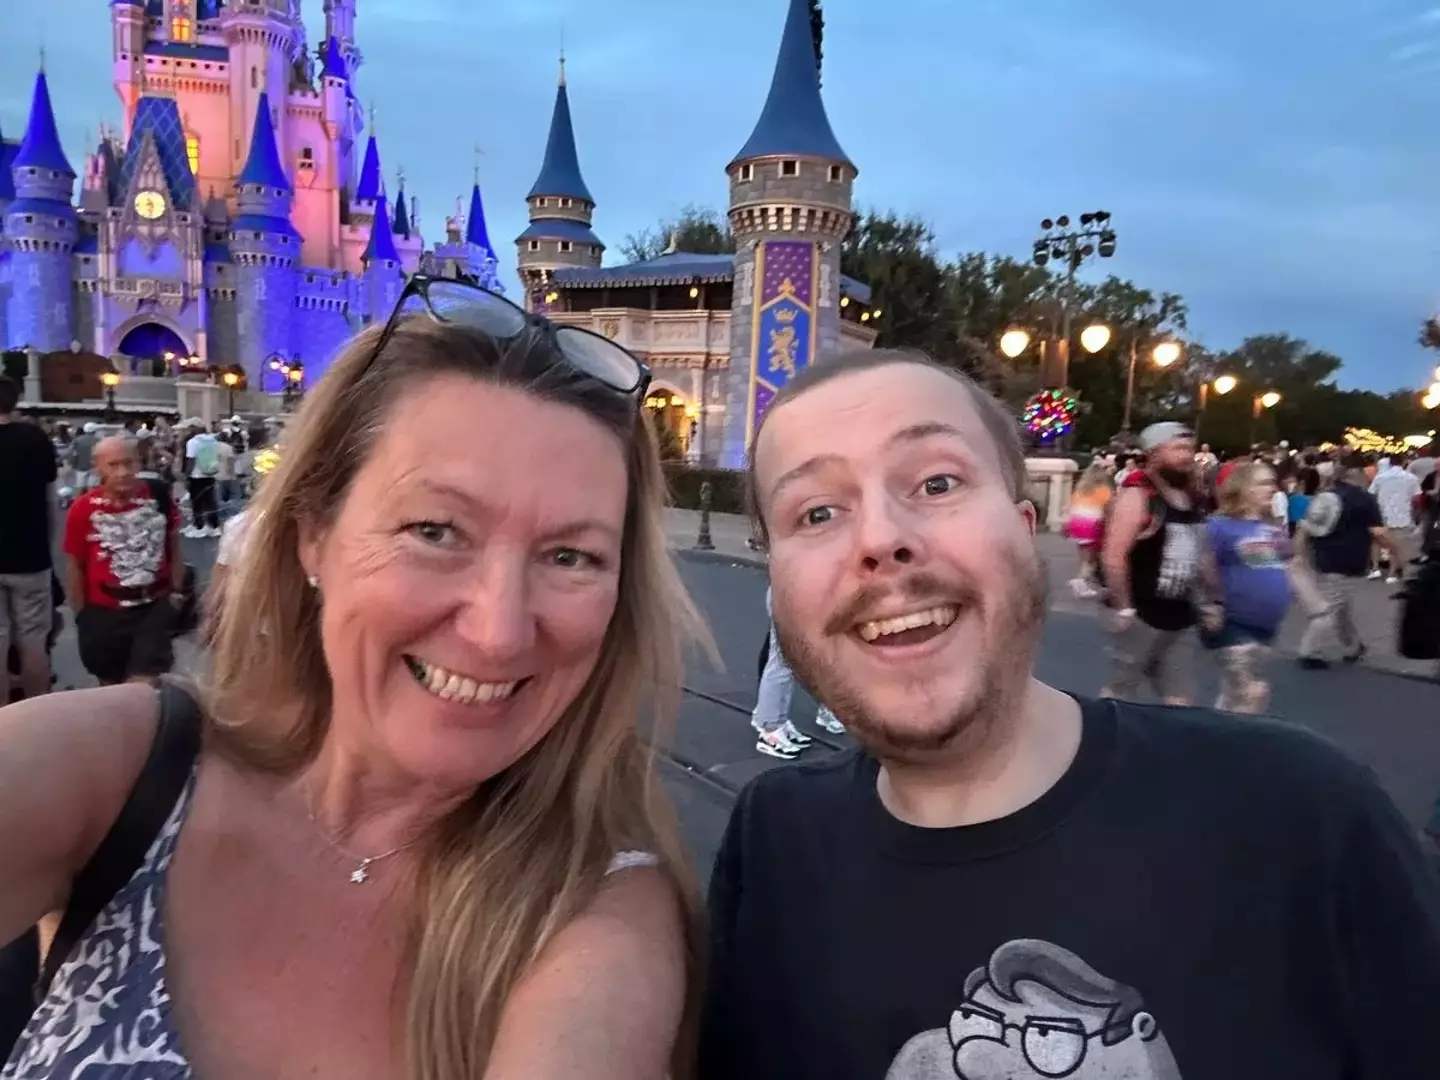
point(1389, 722)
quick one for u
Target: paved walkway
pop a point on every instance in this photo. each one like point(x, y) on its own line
point(1376, 614)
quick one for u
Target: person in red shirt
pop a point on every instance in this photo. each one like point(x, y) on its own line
point(125, 569)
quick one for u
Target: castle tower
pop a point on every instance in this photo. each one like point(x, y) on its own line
point(264, 41)
point(7, 196)
point(40, 227)
point(561, 209)
point(790, 206)
point(383, 278)
point(264, 247)
point(469, 255)
point(340, 25)
point(128, 27)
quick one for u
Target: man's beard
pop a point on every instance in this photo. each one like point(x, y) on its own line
point(1176, 478)
point(1009, 638)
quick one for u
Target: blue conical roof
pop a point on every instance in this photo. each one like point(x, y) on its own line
point(369, 187)
point(475, 231)
point(382, 240)
point(793, 120)
point(560, 172)
point(41, 149)
point(334, 59)
point(7, 178)
point(263, 166)
point(402, 217)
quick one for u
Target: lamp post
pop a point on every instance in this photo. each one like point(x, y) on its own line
point(1162, 355)
point(294, 376)
point(1267, 400)
point(1059, 241)
point(111, 380)
point(231, 380)
point(1222, 386)
point(1017, 339)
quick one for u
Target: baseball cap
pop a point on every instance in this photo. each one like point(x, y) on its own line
point(1157, 435)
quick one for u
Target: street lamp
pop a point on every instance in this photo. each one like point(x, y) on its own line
point(1014, 342)
point(231, 380)
point(1267, 400)
point(1164, 354)
point(1094, 337)
point(294, 374)
point(111, 380)
point(1073, 246)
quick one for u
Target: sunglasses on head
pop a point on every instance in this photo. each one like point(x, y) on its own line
point(464, 304)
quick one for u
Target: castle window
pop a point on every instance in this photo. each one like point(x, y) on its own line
point(192, 151)
point(180, 29)
point(789, 168)
point(747, 173)
point(254, 79)
point(534, 245)
point(307, 154)
point(544, 202)
point(565, 203)
point(837, 173)
point(564, 245)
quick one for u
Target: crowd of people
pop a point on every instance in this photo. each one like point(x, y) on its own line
point(1191, 551)
point(417, 829)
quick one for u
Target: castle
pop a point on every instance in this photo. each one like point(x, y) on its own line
point(235, 220)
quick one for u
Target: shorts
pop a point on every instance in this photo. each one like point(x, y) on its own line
point(1084, 529)
point(118, 644)
point(1163, 659)
point(27, 610)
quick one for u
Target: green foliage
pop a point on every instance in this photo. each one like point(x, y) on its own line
point(698, 230)
point(727, 488)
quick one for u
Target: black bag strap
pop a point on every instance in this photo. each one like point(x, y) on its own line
point(162, 779)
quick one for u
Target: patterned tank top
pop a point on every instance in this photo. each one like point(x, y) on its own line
point(107, 1015)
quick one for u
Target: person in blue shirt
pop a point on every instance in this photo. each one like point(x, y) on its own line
point(1307, 484)
point(1252, 558)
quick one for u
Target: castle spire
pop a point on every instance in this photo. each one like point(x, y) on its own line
point(263, 167)
point(370, 181)
point(382, 240)
point(475, 231)
point(402, 217)
point(41, 149)
point(793, 121)
point(560, 172)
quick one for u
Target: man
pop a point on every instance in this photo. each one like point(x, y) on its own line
point(125, 571)
point(27, 530)
point(1006, 882)
point(203, 459)
point(1150, 557)
point(1396, 490)
point(1338, 531)
point(82, 454)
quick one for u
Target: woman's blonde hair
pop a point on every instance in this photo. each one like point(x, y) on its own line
point(1095, 477)
point(1235, 491)
point(529, 850)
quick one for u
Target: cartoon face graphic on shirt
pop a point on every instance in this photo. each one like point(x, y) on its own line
point(1039, 1011)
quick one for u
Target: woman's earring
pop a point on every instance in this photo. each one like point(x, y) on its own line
point(313, 581)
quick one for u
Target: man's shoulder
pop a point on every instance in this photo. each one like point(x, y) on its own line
point(804, 786)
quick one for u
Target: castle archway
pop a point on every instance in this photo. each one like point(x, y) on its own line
point(668, 408)
point(146, 339)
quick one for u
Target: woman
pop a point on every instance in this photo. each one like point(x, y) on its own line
point(1085, 524)
point(423, 838)
point(1252, 554)
point(1297, 504)
point(236, 530)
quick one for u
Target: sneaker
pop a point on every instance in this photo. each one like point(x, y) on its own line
point(213, 532)
point(795, 735)
point(1374, 575)
point(1082, 589)
point(775, 744)
point(192, 532)
point(1393, 579)
point(827, 721)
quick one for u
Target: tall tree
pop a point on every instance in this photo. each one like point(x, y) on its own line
point(698, 230)
point(908, 283)
point(817, 36)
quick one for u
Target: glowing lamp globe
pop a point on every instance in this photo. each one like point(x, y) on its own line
point(1014, 342)
point(1166, 353)
point(1225, 383)
point(1270, 399)
point(110, 379)
point(1094, 337)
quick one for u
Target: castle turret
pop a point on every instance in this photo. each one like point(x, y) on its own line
point(40, 227)
point(367, 188)
point(469, 255)
point(383, 278)
point(340, 25)
point(265, 247)
point(264, 38)
point(561, 209)
point(790, 207)
point(128, 27)
point(337, 104)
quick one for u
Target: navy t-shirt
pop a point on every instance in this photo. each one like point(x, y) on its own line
point(1199, 897)
point(1346, 548)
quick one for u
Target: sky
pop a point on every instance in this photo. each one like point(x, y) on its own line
point(1272, 161)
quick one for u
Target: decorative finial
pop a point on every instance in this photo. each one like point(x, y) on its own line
point(42, 55)
point(400, 177)
point(479, 153)
point(372, 118)
point(562, 53)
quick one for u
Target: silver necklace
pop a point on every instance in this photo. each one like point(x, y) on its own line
point(361, 873)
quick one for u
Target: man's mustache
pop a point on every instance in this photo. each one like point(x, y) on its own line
point(912, 589)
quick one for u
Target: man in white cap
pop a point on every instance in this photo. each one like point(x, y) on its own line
point(1151, 563)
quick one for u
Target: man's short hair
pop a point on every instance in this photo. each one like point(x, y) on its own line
point(9, 394)
point(1000, 423)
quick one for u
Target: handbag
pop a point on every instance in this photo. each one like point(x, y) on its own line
point(24, 978)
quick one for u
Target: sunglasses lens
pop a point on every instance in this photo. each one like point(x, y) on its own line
point(453, 302)
point(599, 358)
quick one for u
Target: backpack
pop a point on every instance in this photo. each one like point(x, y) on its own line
point(207, 457)
point(24, 979)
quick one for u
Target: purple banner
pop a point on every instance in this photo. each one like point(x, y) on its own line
point(783, 338)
